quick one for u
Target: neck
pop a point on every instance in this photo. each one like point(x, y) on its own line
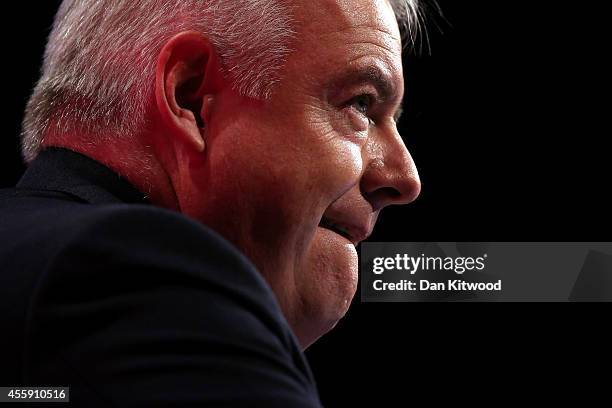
point(130, 159)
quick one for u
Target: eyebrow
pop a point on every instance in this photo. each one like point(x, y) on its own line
point(376, 76)
point(399, 112)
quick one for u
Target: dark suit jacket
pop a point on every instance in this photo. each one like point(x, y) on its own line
point(133, 305)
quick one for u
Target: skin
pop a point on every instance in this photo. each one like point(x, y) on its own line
point(265, 173)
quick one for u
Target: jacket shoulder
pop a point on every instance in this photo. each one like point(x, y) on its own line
point(142, 293)
point(128, 276)
point(140, 303)
point(132, 238)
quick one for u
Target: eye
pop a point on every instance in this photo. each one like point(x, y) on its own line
point(362, 103)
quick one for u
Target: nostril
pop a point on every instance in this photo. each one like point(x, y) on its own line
point(390, 192)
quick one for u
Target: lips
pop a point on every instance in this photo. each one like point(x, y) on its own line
point(353, 230)
point(338, 229)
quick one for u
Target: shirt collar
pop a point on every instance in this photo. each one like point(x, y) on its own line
point(60, 169)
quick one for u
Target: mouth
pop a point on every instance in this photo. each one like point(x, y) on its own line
point(326, 223)
point(351, 233)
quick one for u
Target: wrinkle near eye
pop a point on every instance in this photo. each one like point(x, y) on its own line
point(335, 123)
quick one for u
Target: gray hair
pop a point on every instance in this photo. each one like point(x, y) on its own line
point(99, 63)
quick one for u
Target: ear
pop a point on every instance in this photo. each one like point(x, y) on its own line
point(188, 76)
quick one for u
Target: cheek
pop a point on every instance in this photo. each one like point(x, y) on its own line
point(353, 159)
point(263, 191)
point(338, 166)
point(338, 149)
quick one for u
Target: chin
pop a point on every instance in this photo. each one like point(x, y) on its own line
point(327, 285)
point(319, 323)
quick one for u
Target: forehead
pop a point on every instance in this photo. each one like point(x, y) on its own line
point(352, 19)
point(330, 15)
point(335, 33)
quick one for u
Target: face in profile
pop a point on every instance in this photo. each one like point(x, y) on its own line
point(298, 180)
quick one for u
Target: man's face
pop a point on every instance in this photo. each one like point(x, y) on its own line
point(297, 180)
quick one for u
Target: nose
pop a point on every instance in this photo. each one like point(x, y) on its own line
point(391, 176)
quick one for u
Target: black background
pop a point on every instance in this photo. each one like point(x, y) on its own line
point(505, 119)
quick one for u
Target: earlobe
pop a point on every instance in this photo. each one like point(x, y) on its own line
point(187, 77)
